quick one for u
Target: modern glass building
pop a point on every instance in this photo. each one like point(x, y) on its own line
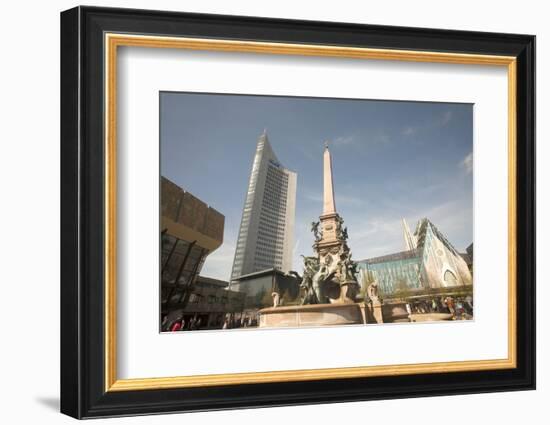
point(430, 261)
point(266, 233)
point(393, 272)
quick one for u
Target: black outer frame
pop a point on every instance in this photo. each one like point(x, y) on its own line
point(82, 212)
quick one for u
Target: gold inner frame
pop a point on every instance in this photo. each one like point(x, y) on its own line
point(113, 41)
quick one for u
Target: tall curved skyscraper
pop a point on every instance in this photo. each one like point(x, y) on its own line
point(266, 234)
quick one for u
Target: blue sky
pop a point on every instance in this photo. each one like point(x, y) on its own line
point(390, 160)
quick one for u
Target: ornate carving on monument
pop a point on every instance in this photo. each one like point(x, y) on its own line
point(311, 267)
point(333, 250)
point(315, 229)
point(372, 293)
point(276, 299)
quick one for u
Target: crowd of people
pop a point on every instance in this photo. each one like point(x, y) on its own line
point(196, 323)
point(459, 307)
point(243, 322)
point(180, 324)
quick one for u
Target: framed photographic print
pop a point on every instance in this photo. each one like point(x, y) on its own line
point(261, 212)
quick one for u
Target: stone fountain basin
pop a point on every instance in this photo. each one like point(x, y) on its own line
point(430, 317)
point(311, 315)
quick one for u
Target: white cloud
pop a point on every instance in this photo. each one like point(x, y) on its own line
point(439, 122)
point(343, 141)
point(307, 153)
point(374, 234)
point(353, 200)
point(313, 196)
point(468, 163)
point(218, 264)
point(409, 131)
point(446, 119)
point(378, 137)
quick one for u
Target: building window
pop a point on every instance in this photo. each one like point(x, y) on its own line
point(450, 278)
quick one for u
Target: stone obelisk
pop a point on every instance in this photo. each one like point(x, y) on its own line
point(329, 219)
point(329, 207)
point(331, 246)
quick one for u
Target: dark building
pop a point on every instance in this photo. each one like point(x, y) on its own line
point(260, 286)
point(469, 257)
point(190, 231)
point(209, 301)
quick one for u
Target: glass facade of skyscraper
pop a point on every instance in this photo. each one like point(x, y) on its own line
point(271, 229)
point(267, 225)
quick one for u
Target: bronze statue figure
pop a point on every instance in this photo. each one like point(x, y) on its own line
point(315, 230)
point(311, 266)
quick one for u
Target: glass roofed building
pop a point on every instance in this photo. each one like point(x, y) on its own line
point(429, 261)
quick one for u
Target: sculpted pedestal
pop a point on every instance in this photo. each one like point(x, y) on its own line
point(377, 312)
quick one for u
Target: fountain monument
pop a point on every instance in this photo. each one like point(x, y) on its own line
point(328, 282)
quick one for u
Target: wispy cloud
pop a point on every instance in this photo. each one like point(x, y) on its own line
point(375, 236)
point(313, 196)
point(374, 137)
point(468, 163)
point(409, 131)
point(306, 153)
point(339, 198)
point(375, 233)
point(343, 141)
point(446, 118)
point(379, 137)
point(218, 264)
point(439, 122)
point(348, 200)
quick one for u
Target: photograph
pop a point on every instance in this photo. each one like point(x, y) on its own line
point(287, 212)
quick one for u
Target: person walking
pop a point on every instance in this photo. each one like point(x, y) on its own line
point(176, 326)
